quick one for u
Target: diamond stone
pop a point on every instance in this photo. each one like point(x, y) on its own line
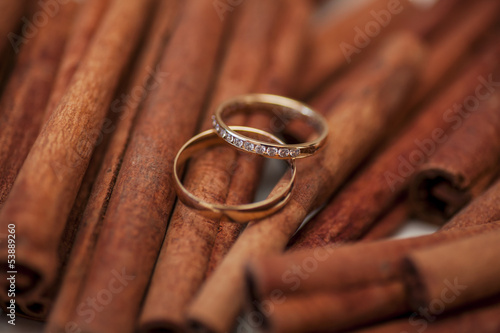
point(260, 149)
point(284, 152)
point(217, 127)
point(238, 143)
point(214, 122)
point(229, 138)
point(294, 152)
point(223, 133)
point(249, 146)
point(271, 151)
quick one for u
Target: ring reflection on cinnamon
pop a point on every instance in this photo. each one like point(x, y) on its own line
point(236, 213)
point(286, 110)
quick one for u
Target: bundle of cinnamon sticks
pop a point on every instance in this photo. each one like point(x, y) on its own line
point(98, 96)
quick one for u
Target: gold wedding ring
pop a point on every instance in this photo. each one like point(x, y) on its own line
point(286, 110)
point(236, 213)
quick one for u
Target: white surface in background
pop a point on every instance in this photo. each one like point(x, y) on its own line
point(414, 228)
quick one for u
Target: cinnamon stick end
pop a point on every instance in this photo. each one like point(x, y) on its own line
point(435, 196)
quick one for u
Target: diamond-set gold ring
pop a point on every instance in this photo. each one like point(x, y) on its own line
point(285, 109)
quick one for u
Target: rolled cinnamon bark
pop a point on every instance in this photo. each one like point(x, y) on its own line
point(86, 23)
point(190, 236)
point(451, 275)
point(27, 93)
point(355, 208)
point(464, 166)
point(332, 312)
point(483, 209)
point(59, 157)
point(142, 199)
point(362, 114)
point(389, 223)
point(476, 318)
point(82, 32)
point(145, 79)
point(21, 109)
point(325, 268)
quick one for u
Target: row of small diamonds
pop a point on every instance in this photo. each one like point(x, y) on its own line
point(249, 146)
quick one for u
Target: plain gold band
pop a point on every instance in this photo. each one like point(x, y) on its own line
point(283, 107)
point(235, 213)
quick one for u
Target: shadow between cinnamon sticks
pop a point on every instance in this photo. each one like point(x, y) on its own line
point(355, 208)
point(59, 157)
point(142, 199)
point(362, 114)
point(465, 165)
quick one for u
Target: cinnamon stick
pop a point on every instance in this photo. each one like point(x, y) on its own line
point(143, 193)
point(386, 225)
point(59, 157)
point(145, 80)
point(477, 318)
point(190, 236)
point(463, 167)
point(330, 312)
point(27, 92)
point(362, 115)
point(353, 210)
point(335, 268)
point(86, 23)
point(454, 274)
point(483, 209)
point(22, 105)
